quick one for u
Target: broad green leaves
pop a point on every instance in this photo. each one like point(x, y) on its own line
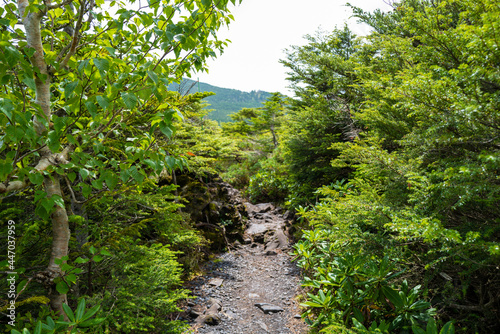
point(112, 88)
point(80, 318)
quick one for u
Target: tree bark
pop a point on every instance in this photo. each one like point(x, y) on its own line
point(60, 224)
point(60, 241)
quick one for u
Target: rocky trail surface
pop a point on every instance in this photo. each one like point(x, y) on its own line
point(252, 288)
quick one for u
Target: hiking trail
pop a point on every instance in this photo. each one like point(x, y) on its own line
point(252, 288)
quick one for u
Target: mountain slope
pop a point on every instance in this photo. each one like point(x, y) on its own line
point(225, 101)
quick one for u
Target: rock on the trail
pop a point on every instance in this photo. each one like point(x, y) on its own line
point(270, 252)
point(269, 308)
point(259, 208)
point(211, 316)
point(210, 319)
point(216, 282)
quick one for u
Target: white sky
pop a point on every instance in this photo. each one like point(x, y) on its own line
point(263, 29)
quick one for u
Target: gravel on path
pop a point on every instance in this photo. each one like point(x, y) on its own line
point(252, 289)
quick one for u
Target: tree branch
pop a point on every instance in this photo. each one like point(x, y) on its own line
point(76, 33)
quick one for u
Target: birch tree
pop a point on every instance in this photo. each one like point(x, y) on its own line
point(75, 77)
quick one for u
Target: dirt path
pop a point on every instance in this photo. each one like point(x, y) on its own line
point(251, 290)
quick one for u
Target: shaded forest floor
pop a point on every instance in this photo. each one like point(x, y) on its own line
point(253, 288)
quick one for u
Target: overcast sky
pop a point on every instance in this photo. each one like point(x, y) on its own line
point(262, 29)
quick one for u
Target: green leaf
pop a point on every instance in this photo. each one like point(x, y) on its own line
point(105, 252)
point(130, 100)
point(12, 55)
point(84, 173)
point(431, 327)
point(153, 76)
point(38, 328)
point(91, 107)
point(358, 315)
point(393, 296)
point(62, 287)
point(86, 189)
point(36, 178)
point(448, 328)
point(58, 200)
point(80, 310)
point(47, 204)
point(97, 184)
point(103, 101)
point(111, 180)
point(102, 65)
point(53, 141)
point(71, 278)
point(5, 169)
point(7, 107)
point(135, 174)
point(90, 313)
point(21, 285)
point(165, 129)
point(92, 322)
point(357, 324)
point(71, 176)
point(417, 330)
point(69, 88)
point(30, 82)
point(69, 312)
point(50, 322)
point(81, 260)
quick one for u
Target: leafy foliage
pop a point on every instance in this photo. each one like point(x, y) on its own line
point(85, 116)
point(423, 179)
point(142, 292)
point(79, 321)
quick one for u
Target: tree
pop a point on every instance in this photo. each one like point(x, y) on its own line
point(324, 79)
point(82, 98)
point(260, 122)
point(424, 185)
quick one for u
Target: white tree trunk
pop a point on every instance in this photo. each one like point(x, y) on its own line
point(60, 224)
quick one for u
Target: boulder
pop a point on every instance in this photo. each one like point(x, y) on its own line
point(215, 207)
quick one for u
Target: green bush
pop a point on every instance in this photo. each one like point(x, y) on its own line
point(267, 186)
point(143, 292)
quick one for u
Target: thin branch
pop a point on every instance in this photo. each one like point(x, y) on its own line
point(76, 33)
point(31, 152)
point(73, 197)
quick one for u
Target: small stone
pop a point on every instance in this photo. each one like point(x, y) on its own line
point(262, 325)
point(297, 316)
point(216, 282)
point(253, 295)
point(215, 304)
point(269, 308)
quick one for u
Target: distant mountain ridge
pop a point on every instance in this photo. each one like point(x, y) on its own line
point(225, 101)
